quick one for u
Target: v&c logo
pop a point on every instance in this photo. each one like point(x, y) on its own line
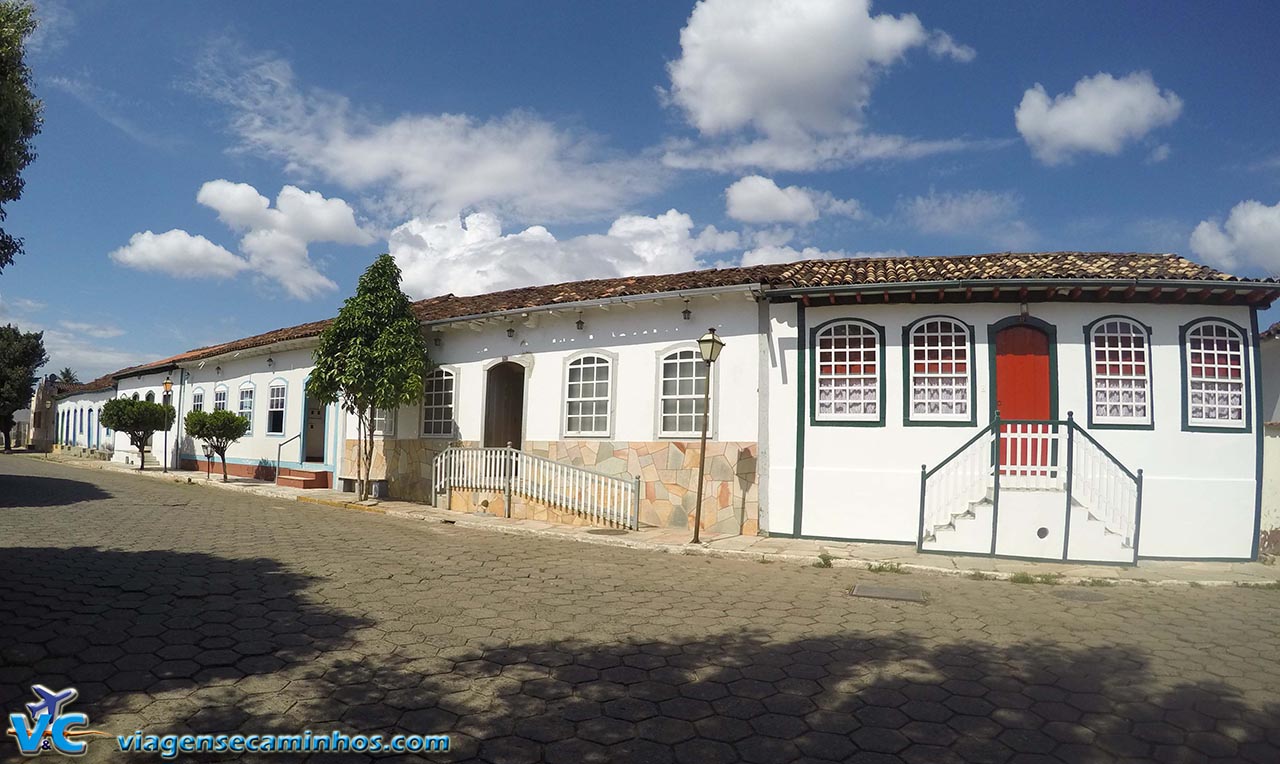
point(49, 729)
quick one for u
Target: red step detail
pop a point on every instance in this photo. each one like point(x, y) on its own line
point(292, 478)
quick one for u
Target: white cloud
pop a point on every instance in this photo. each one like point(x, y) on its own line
point(779, 254)
point(275, 240)
point(756, 199)
point(17, 307)
point(1159, 154)
point(423, 165)
point(97, 331)
point(985, 215)
point(111, 108)
point(179, 254)
point(472, 255)
point(54, 22)
point(1100, 115)
point(796, 77)
point(1250, 239)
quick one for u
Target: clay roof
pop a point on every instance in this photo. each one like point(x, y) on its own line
point(1066, 266)
point(63, 389)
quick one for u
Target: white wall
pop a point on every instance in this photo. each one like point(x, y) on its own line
point(82, 433)
point(634, 336)
point(251, 368)
point(152, 382)
point(864, 482)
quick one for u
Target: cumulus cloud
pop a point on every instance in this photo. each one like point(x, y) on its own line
point(473, 255)
point(1101, 115)
point(986, 215)
point(756, 199)
point(178, 253)
point(275, 241)
point(422, 164)
point(786, 84)
point(1249, 239)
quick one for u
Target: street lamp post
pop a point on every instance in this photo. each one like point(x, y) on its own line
point(208, 459)
point(168, 396)
point(709, 345)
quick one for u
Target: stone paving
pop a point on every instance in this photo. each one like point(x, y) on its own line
point(176, 608)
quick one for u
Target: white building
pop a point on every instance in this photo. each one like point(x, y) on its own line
point(1126, 385)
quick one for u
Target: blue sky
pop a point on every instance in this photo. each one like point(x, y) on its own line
point(209, 171)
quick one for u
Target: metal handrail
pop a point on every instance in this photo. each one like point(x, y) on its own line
point(279, 446)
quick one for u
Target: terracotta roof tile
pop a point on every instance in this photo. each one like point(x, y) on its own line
point(806, 273)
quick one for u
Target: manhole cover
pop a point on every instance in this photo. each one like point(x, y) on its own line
point(875, 591)
point(1080, 595)
point(607, 531)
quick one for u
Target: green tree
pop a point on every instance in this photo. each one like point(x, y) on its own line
point(139, 420)
point(19, 113)
point(68, 376)
point(372, 356)
point(219, 429)
point(21, 354)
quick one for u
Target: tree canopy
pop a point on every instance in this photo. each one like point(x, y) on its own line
point(139, 420)
point(19, 113)
point(21, 354)
point(372, 356)
point(69, 376)
point(219, 429)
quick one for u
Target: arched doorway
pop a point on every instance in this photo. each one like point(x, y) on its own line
point(1024, 388)
point(504, 405)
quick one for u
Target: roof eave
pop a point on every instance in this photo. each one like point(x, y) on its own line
point(1002, 284)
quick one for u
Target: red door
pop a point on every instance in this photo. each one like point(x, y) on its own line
point(1024, 391)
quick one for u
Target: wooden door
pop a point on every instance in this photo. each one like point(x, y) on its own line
point(1024, 390)
point(504, 406)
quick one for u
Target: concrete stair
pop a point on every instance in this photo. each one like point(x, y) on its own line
point(293, 478)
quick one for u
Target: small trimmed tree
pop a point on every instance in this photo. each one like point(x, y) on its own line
point(219, 429)
point(139, 420)
point(372, 356)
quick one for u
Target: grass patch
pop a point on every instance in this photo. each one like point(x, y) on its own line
point(1097, 582)
point(978, 575)
point(823, 561)
point(887, 567)
point(1272, 585)
point(1048, 579)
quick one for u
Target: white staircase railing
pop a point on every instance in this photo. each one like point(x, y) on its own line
point(1109, 491)
point(1051, 454)
point(599, 498)
point(949, 488)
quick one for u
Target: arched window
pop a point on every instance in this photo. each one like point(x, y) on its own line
point(587, 396)
point(939, 371)
point(151, 397)
point(849, 373)
point(437, 404)
point(220, 398)
point(1120, 369)
point(135, 396)
point(1216, 377)
point(683, 385)
point(197, 400)
point(246, 404)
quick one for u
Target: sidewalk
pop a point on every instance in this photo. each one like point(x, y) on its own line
point(781, 550)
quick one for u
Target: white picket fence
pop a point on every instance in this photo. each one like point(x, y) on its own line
point(601, 499)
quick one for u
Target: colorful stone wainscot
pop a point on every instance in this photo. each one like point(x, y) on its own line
point(668, 472)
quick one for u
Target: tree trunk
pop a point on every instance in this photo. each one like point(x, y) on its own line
point(142, 454)
point(360, 455)
point(223, 456)
point(7, 447)
point(368, 457)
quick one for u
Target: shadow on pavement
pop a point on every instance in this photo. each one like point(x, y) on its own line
point(35, 491)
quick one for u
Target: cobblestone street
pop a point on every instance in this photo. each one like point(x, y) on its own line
point(177, 607)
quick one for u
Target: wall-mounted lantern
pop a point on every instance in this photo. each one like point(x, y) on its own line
point(688, 314)
point(271, 362)
point(580, 323)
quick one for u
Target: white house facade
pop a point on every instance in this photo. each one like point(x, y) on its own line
point(1095, 407)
